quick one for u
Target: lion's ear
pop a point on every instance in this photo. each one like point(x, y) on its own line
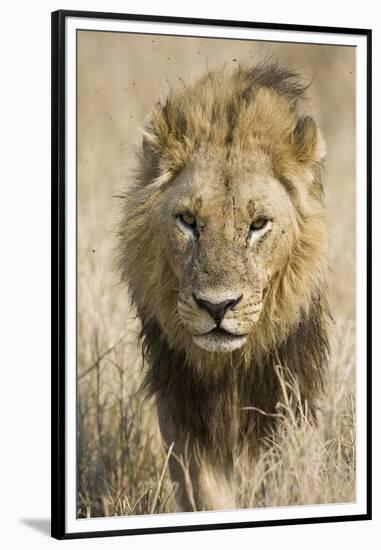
point(150, 159)
point(149, 151)
point(307, 141)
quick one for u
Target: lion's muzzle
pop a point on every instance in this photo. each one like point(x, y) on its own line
point(217, 333)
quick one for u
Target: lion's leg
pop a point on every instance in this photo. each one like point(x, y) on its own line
point(214, 489)
point(179, 469)
point(200, 484)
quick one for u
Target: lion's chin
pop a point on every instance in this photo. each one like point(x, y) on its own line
point(219, 341)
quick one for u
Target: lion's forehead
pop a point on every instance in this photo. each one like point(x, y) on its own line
point(238, 195)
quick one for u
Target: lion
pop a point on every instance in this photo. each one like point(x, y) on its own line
point(223, 246)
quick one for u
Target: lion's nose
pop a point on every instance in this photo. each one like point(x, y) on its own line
point(216, 310)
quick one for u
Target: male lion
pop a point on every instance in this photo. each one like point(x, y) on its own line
point(223, 247)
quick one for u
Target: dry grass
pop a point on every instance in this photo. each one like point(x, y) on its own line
point(121, 459)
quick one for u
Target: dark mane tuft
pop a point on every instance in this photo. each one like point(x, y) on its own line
point(272, 75)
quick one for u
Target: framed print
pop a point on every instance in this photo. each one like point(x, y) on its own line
point(211, 188)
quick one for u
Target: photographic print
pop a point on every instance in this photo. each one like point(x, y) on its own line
point(210, 210)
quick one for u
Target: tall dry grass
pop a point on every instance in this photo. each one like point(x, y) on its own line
point(120, 457)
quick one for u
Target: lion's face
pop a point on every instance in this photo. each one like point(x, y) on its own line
point(226, 234)
point(223, 238)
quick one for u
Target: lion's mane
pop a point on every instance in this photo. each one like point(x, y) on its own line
point(209, 397)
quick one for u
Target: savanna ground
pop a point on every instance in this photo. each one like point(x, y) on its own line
point(121, 460)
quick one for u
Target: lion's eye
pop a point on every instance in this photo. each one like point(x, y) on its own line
point(258, 224)
point(188, 220)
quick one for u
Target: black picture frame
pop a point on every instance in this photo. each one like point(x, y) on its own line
point(58, 358)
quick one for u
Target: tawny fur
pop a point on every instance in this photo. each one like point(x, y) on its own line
point(201, 146)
